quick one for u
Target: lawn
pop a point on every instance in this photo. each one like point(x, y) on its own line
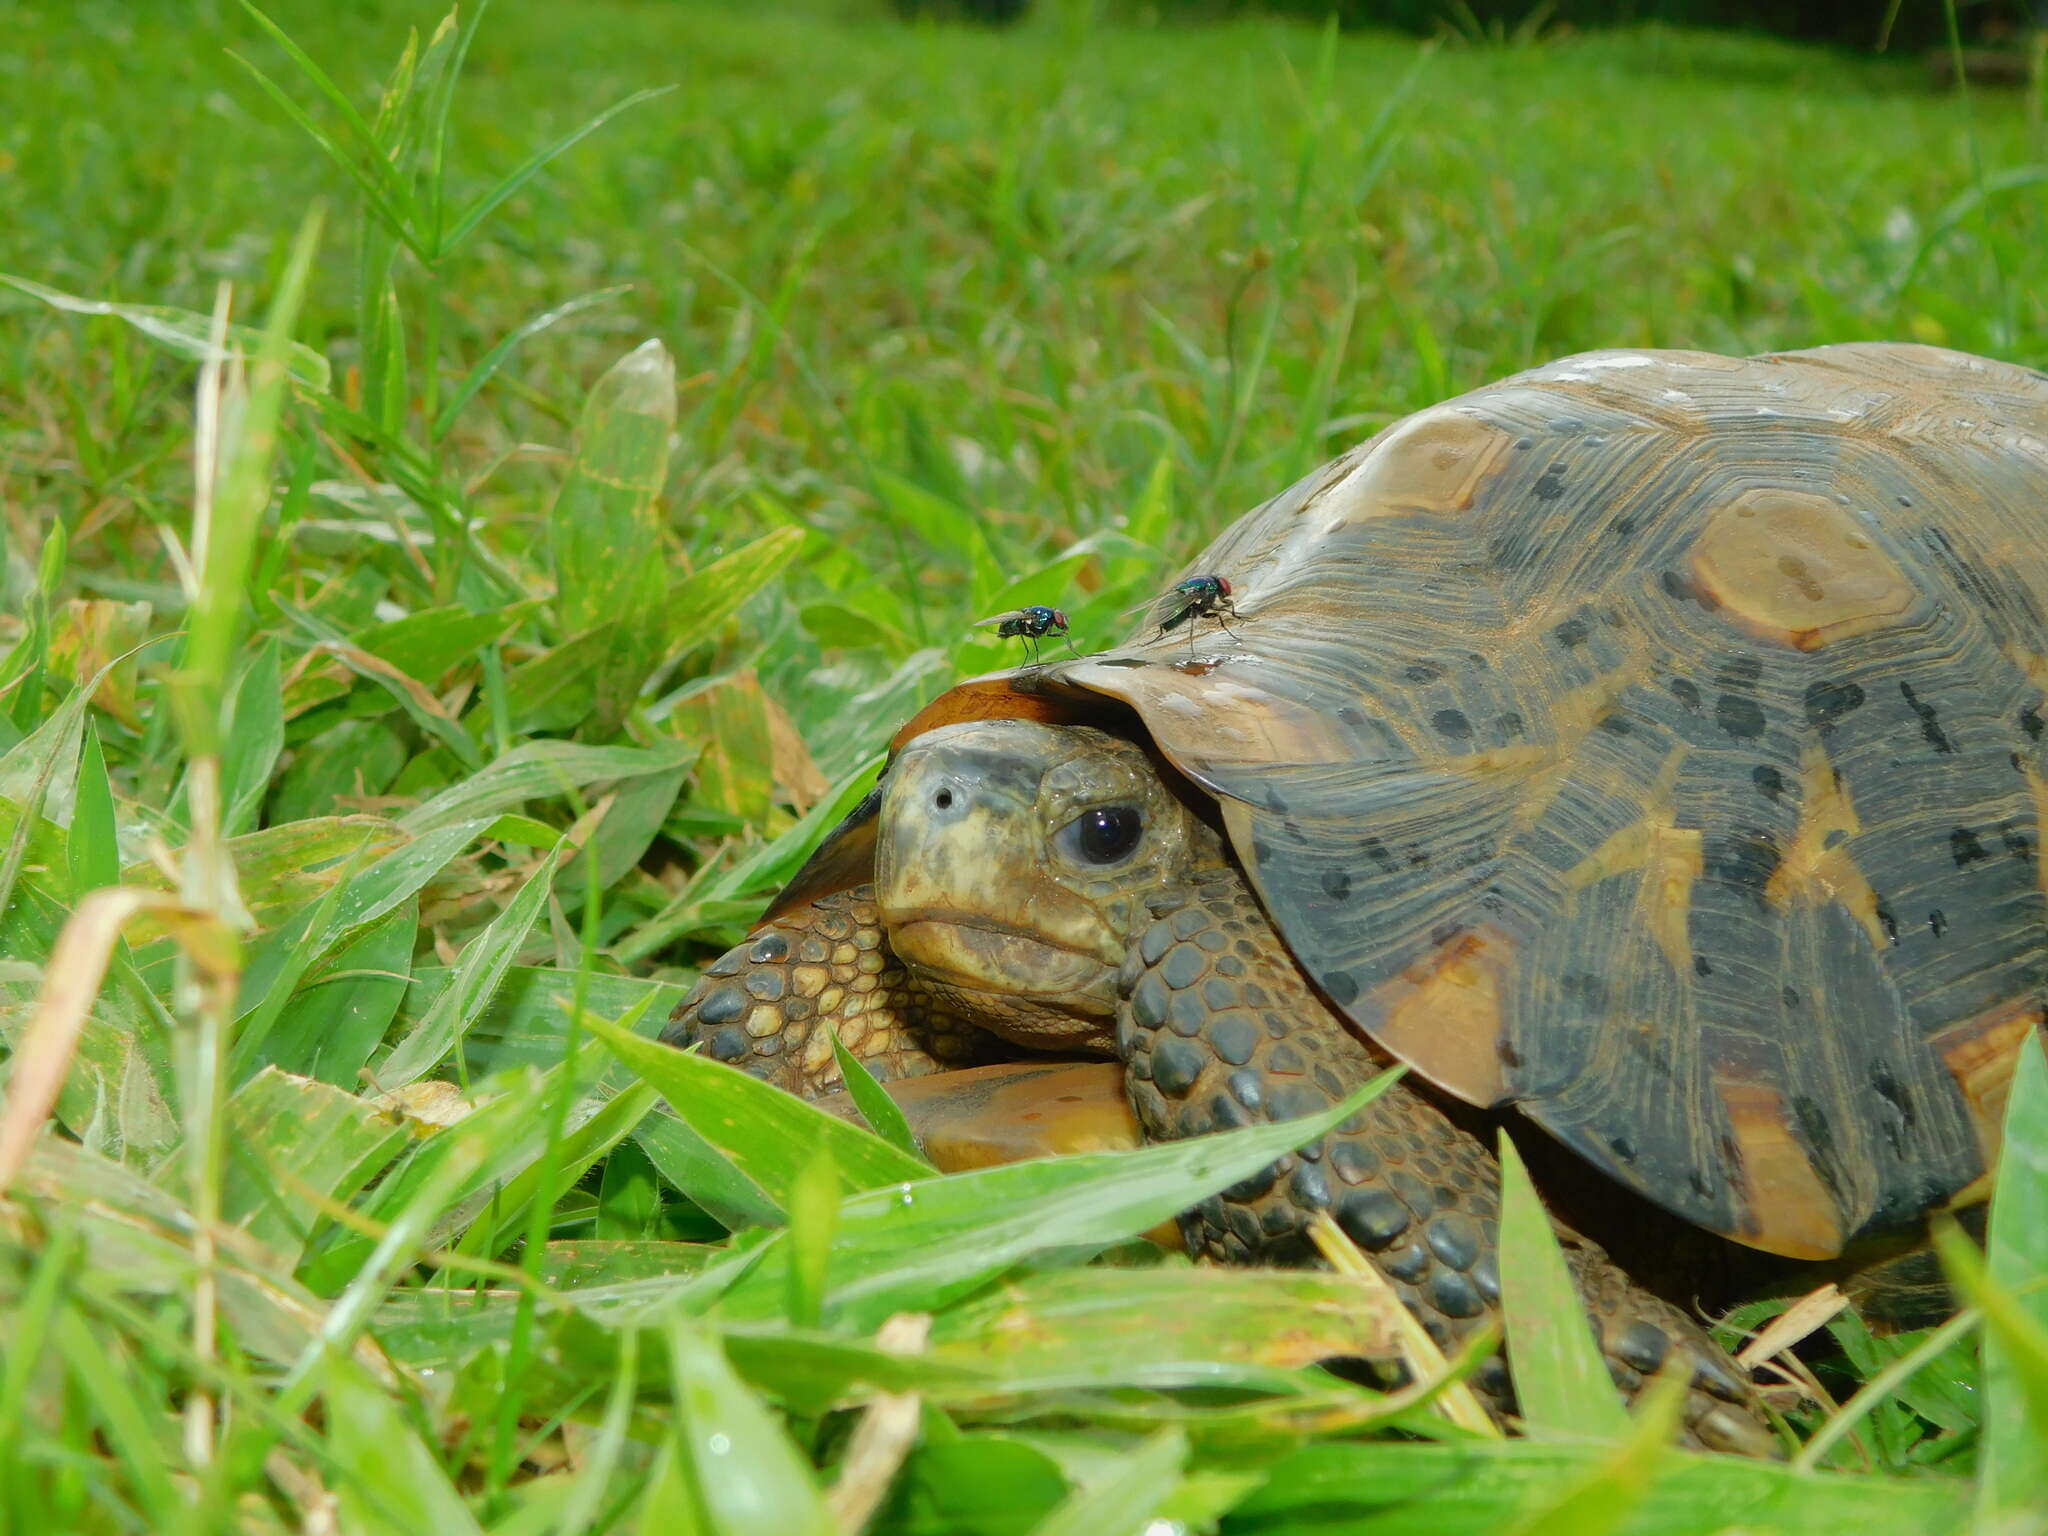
point(425, 696)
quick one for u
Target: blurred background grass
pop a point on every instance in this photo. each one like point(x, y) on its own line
point(1015, 266)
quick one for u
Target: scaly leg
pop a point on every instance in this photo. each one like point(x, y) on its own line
point(1220, 1030)
point(760, 1005)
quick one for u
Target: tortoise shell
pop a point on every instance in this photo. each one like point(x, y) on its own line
point(1653, 740)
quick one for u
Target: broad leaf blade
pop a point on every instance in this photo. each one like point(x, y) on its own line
point(2015, 1476)
point(604, 534)
point(1440, 1490)
point(255, 737)
point(768, 1134)
point(293, 1143)
point(880, 1111)
point(1123, 1503)
point(337, 1016)
point(744, 1475)
point(93, 848)
point(389, 1481)
point(700, 604)
point(482, 966)
point(180, 331)
point(925, 1242)
point(541, 770)
point(705, 1174)
point(1561, 1379)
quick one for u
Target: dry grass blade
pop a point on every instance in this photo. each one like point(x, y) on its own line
point(1426, 1363)
point(1807, 1315)
point(885, 1434)
point(70, 983)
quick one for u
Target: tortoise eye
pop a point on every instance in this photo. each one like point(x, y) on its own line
point(1104, 835)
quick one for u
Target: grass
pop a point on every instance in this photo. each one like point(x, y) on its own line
point(486, 689)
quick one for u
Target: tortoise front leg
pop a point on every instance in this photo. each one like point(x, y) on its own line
point(760, 1005)
point(1219, 1030)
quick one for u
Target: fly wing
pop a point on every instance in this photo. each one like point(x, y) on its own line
point(996, 621)
point(1167, 609)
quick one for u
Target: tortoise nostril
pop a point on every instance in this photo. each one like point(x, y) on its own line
point(943, 799)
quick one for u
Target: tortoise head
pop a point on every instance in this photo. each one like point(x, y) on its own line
point(1012, 862)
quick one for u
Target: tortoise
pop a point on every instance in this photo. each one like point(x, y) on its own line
point(1646, 747)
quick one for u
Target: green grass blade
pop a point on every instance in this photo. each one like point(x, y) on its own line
point(705, 1174)
point(274, 969)
point(743, 1475)
point(2014, 1486)
point(351, 119)
point(1165, 1327)
point(440, 104)
point(181, 332)
point(337, 1015)
point(55, 1271)
point(26, 774)
point(757, 875)
point(594, 1480)
point(1608, 1493)
point(701, 603)
point(1050, 1336)
point(365, 160)
point(291, 1144)
point(541, 770)
point(927, 1241)
point(243, 496)
point(769, 1135)
point(254, 740)
point(484, 206)
point(389, 1480)
point(400, 875)
point(874, 1103)
point(426, 1193)
point(127, 1410)
point(628, 1196)
point(1561, 1379)
point(581, 1148)
point(671, 1507)
point(380, 196)
point(1882, 1385)
point(813, 1213)
point(92, 846)
point(477, 974)
point(1445, 1490)
point(487, 367)
point(413, 697)
point(1124, 1502)
point(390, 388)
point(605, 527)
point(494, 1141)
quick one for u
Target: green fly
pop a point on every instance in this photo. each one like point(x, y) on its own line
point(1199, 597)
point(1031, 625)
